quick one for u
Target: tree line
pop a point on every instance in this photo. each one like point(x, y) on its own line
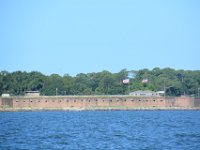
point(175, 82)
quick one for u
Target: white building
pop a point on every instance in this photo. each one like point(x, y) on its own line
point(5, 95)
point(161, 93)
point(32, 93)
point(144, 93)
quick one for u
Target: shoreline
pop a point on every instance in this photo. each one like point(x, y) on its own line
point(96, 109)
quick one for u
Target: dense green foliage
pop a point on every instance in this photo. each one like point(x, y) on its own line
point(177, 82)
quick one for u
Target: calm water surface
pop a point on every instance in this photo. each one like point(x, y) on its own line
point(145, 130)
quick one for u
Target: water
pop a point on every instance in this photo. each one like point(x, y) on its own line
point(145, 130)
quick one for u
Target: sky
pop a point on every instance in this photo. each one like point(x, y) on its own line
point(76, 36)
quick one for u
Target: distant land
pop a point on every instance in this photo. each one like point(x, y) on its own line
point(173, 82)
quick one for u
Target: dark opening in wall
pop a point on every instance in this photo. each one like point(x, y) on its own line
point(39, 101)
point(154, 100)
point(81, 100)
point(16, 101)
point(31, 101)
point(89, 100)
point(60, 101)
point(46, 101)
point(74, 101)
point(24, 101)
point(161, 100)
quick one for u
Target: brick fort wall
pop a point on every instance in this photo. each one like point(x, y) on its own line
point(59, 102)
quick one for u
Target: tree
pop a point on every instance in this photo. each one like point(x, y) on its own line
point(53, 85)
point(177, 82)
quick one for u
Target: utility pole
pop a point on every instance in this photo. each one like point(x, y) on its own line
point(128, 88)
point(182, 78)
point(164, 89)
point(56, 91)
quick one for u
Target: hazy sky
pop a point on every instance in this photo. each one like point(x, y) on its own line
point(74, 36)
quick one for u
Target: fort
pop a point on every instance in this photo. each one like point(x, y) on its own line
point(119, 102)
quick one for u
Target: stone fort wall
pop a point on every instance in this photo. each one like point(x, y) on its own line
point(88, 102)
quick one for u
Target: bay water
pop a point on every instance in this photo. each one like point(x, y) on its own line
point(85, 130)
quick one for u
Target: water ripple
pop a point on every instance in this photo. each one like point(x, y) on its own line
point(142, 130)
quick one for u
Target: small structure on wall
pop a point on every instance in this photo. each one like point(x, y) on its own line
point(144, 93)
point(5, 95)
point(32, 93)
point(161, 93)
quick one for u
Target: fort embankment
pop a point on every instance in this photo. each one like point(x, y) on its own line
point(97, 103)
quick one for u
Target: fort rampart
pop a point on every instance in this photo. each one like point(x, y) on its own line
point(97, 102)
